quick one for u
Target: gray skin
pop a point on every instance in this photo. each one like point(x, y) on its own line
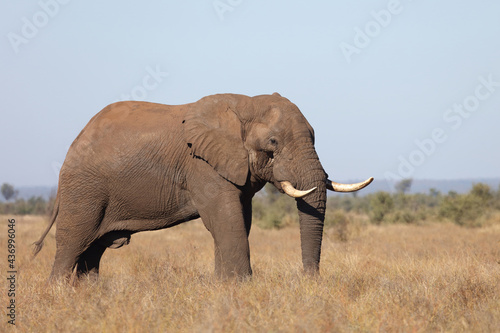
point(140, 166)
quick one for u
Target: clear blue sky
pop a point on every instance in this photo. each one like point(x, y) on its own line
point(392, 88)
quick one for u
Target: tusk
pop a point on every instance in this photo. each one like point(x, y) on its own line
point(337, 187)
point(292, 191)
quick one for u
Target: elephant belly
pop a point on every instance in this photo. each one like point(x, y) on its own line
point(130, 226)
point(115, 239)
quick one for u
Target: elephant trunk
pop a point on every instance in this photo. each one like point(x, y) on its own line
point(309, 181)
point(311, 218)
point(311, 210)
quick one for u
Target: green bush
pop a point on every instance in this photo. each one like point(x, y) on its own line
point(346, 213)
point(34, 205)
point(271, 209)
point(344, 226)
point(341, 224)
point(381, 204)
point(468, 209)
point(335, 217)
point(404, 216)
point(482, 192)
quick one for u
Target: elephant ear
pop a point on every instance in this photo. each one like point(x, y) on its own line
point(212, 131)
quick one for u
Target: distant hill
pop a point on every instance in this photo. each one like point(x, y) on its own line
point(418, 186)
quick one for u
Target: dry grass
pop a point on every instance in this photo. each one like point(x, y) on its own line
point(402, 278)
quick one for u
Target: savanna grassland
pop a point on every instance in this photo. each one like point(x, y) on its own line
point(389, 277)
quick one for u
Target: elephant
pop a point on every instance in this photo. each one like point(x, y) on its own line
point(139, 166)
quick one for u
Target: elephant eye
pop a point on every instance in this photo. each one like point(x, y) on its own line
point(273, 141)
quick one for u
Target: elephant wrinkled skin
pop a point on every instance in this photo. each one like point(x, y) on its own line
point(141, 166)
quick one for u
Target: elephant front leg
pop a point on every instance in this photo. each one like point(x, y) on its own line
point(224, 217)
point(232, 252)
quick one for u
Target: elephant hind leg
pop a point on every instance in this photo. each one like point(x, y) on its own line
point(76, 241)
point(72, 265)
point(64, 265)
point(88, 262)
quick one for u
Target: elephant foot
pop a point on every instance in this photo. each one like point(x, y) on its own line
point(73, 268)
point(78, 275)
point(233, 266)
point(74, 277)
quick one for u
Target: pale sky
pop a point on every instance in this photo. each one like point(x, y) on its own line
point(392, 88)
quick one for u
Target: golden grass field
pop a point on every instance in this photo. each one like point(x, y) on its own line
point(392, 278)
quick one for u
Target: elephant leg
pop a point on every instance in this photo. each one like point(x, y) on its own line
point(232, 251)
point(88, 263)
point(247, 213)
point(225, 219)
point(64, 263)
point(75, 238)
point(71, 263)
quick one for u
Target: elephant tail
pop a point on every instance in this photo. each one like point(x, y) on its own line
point(39, 243)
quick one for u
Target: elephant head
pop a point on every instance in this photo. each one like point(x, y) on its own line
point(253, 140)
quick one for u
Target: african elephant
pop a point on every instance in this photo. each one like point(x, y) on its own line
point(141, 166)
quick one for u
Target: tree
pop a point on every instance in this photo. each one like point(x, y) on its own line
point(434, 193)
point(7, 191)
point(381, 204)
point(483, 192)
point(404, 185)
point(468, 209)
